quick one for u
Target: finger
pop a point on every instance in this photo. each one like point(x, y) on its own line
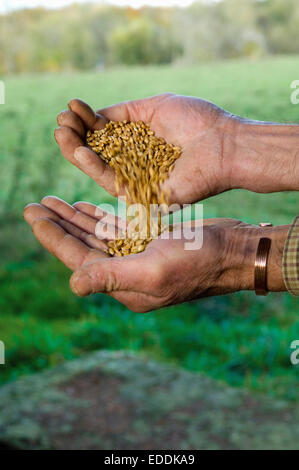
point(88, 238)
point(70, 213)
point(72, 148)
point(98, 214)
point(90, 119)
point(92, 165)
point(34, 211)
point(69, 119)
point(68, 249)
point(104, 229)
point(111, 275)
point(68, 140)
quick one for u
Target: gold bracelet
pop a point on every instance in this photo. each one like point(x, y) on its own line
point(260, 266)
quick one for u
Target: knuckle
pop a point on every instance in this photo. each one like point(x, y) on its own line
point(111, 282)
point(61, 116)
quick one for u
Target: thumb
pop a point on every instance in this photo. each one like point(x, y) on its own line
point(110, 275)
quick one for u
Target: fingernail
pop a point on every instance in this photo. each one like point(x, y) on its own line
point(79, 154)
point(81, 284)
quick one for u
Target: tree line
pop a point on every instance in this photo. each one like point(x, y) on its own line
point(82, 37)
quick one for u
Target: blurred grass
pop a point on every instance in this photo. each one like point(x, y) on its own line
point(240, 339)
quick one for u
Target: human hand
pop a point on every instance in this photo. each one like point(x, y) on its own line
point(165, 273)
point(220, 151)
point(197, 126)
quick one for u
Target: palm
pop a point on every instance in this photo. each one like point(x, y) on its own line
point(195, 125)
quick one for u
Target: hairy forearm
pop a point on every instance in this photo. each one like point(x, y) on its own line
point(264, 156)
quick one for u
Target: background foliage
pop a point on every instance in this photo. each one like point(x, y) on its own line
point(82, 37)
point(241, 339)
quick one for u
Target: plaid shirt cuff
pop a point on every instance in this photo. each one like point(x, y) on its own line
point(290, 265)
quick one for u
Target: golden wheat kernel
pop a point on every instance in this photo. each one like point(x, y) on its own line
point(136, 155)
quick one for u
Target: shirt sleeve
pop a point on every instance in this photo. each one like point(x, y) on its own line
point(290, 265)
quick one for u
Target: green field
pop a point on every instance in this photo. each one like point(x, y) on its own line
point(240, 339)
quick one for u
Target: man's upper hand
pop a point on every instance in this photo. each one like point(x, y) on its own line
point(197, 126)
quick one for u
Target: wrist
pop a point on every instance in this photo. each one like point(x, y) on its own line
point(262, 157)
point(242, 256)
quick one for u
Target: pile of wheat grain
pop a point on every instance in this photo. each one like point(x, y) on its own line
point(141, 162)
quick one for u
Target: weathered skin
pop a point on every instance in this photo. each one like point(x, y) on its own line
point(116, 400)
